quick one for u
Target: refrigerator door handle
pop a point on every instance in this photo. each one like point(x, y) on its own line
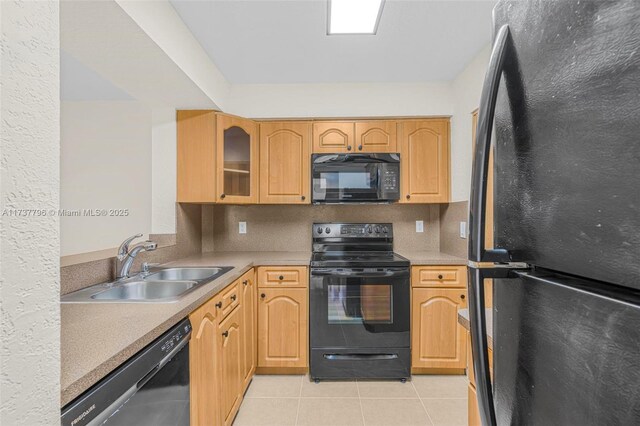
point(478, 328)
point(477, 207)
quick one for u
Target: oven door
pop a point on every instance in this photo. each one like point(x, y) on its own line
point(360, 308)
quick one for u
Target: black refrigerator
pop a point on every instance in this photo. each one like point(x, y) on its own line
point(562, 98)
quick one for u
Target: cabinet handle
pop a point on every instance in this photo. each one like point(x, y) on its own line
point(303, 198)
point(234, 297)
point(359, 147)
point(462, 296)
point(245, 282)
point(219, 305)
point(222, 195)
point(348, 147)
point(408, 196)
point(263, 295)
point(439, 277)
point(281, 278)
point(225, 334)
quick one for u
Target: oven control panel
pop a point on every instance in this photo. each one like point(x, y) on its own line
point(352, 230)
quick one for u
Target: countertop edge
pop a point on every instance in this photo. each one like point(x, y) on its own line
point(463, 320)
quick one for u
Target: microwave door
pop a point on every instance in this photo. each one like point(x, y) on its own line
point(352, 183)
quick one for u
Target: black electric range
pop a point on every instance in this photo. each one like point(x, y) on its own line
point(359, 303)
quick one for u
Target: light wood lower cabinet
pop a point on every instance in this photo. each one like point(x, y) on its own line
point(283, 327)
point(248, 284)
point(438, 341)
point(472, 406)
point(203, 371)
point(230, 355)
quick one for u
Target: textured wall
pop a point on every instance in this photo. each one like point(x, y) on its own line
point(450, 217)
point(283, 228)
point(29, 245)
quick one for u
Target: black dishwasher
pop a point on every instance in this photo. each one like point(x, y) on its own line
point(151, 388)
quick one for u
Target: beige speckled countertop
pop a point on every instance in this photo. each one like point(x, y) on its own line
point(98, 337)
point(463, 319)
point(431, 258)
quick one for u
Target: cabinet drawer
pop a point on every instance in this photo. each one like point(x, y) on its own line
point(439, 276)
point(283, 276)
point(230, 298)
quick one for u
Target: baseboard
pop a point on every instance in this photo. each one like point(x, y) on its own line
point(452, 371)
point(282, 370)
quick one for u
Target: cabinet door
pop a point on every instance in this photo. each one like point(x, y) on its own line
point(196, 156)
point(203, 356)
point(424, 156)
point(237, 160)
point(331, 137)
point(472, 407)
point(376, 136)
point(438, 340)
point(230, 355)
point(285, 160)
point(249, 326)
point(282, 327)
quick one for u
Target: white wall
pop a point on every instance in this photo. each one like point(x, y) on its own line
point(339, 100)
point(465, 91)
point(163, 171)
point(105, 164)
point(29, 244)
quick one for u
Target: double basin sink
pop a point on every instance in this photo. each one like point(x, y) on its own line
point(163, 285)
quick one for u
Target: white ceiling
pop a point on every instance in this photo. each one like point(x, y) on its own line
point(266, 41)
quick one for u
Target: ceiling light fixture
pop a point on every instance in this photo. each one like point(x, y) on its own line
point(354, 16)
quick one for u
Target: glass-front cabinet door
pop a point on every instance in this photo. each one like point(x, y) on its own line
point(237, 160)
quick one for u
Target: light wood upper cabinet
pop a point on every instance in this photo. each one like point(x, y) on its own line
point(424, 156)
point(376, 136)
point(285, 160)
point(282, 327)
point(237, 160)
point(203, 356)
point(196, 154)
point(437, 339)
point(231, 360)
point(247, 281)
point(333, 136)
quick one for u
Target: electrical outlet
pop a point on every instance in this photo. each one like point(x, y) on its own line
point(242, 228)
point(463, 229)
point(419, 226)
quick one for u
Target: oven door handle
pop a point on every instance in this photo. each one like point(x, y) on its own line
point(397, 272)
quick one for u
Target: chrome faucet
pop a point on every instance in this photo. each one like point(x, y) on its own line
point(126, 256)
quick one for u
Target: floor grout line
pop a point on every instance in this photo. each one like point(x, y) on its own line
point(423, 406)
point(299, 399)
point(364, 423)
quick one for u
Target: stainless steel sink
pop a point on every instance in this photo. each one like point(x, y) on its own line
point(178, 274)
point(146, 290)
point(159, 286)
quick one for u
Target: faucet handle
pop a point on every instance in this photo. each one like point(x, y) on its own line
point(146, 266)
point(123, 250)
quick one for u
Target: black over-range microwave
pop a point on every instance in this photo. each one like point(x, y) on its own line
point(355, 178)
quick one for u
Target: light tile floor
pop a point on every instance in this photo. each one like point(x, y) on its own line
point(294, 400)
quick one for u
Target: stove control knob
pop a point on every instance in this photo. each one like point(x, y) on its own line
point(384, 229)
point(369, 230)
point(377, 229)
point(319, 230)
point(327, 230)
